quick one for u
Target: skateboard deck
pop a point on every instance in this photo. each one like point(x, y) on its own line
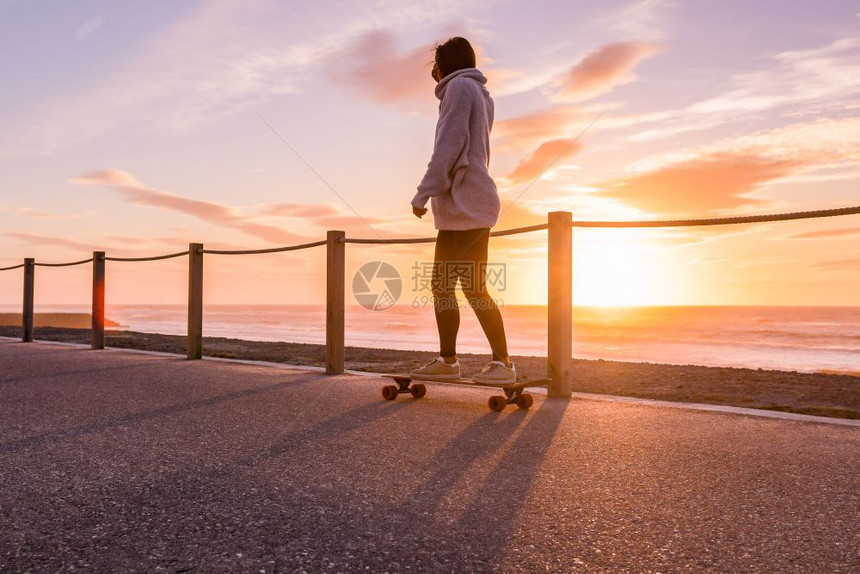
point(514, 392)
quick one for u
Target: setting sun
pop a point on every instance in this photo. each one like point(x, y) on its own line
point(620, 268)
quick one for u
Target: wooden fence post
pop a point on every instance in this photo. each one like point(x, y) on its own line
point(334, 311)
point(559, 305)
point(98, 299)
point(29, 284)
point(195, 301)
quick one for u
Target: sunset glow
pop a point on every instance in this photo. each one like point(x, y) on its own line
point(254, 124)
point(617, 272)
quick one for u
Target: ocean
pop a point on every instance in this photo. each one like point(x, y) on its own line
point(807, 339)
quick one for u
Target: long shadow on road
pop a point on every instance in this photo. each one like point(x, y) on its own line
point(495, 507)
point(34, 441)
point(472, 536)
point(65, 374)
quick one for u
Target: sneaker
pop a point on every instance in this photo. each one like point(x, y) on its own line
point(497, 373)
point(437, 370)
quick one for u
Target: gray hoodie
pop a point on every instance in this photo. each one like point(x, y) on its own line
point(462, 194)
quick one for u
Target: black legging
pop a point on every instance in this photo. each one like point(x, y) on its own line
point(463, 255)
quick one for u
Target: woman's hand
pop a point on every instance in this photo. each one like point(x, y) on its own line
point(419, 211)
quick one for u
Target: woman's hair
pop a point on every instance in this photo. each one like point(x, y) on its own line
point(454, 54)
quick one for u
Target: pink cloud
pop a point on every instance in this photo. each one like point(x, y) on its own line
point(544, 157)
point(347, 222)
point(705, 183)
point(132, 190)
point(839, 265)
point(373, 66)
point(315, 210)
point(538, 126)
point(129, 240)
point(723, 175)
point(40, 214)
point(603, 69)
point(36, 239)
point(826, 233)
point(85, 249)
point(517, 215)
point(323, 215)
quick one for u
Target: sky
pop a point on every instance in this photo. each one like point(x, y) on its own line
point(137, 128)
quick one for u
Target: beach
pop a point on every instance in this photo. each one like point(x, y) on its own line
point(70, 320)
point(822, 394)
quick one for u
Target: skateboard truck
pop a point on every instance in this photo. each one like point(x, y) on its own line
point(404, 385)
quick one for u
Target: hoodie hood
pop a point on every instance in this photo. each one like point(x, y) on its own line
point(473, 73)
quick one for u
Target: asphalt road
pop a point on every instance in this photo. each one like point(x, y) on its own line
point(112, 461)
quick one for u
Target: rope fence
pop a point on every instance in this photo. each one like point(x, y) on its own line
point(723, 220)
point(261, 251)
point(559, 283)
point(500, 233)
point(81, 262)
point(154, 258)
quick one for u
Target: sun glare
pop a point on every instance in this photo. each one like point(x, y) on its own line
point(614, 271)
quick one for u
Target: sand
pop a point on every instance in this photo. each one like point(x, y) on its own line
point(71, 320)
point(806, 393)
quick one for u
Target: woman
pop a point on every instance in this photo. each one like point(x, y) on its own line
point(465, 206)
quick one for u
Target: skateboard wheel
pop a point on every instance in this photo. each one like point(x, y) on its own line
point(418, 390)
point(497, 403)
point(389, 392)
point(525, 400)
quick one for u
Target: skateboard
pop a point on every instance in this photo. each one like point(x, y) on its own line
point(514, 392)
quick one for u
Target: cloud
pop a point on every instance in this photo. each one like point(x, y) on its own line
point(88, 27)
point(373, 66)
point(639, 19)
point(723, 176)
point(519, 214)
point(129, 240)
point(37, 239)
point(84, 249)
point(645, 20)
point(347, 222)
point(605, 68)
point(825, 77)
point(566, 120)
point(321, 215)
point(596, 74)
point(129, 188)
point(218, 59)
point(826, 233)
point(702, 184)
point(45, 215)
point(529, 129)
point(545, 157)
point(244, 219)
point(304, 210)
point(819, 74)
point(839, 265)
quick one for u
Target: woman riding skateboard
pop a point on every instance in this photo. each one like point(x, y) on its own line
point(465, 204)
